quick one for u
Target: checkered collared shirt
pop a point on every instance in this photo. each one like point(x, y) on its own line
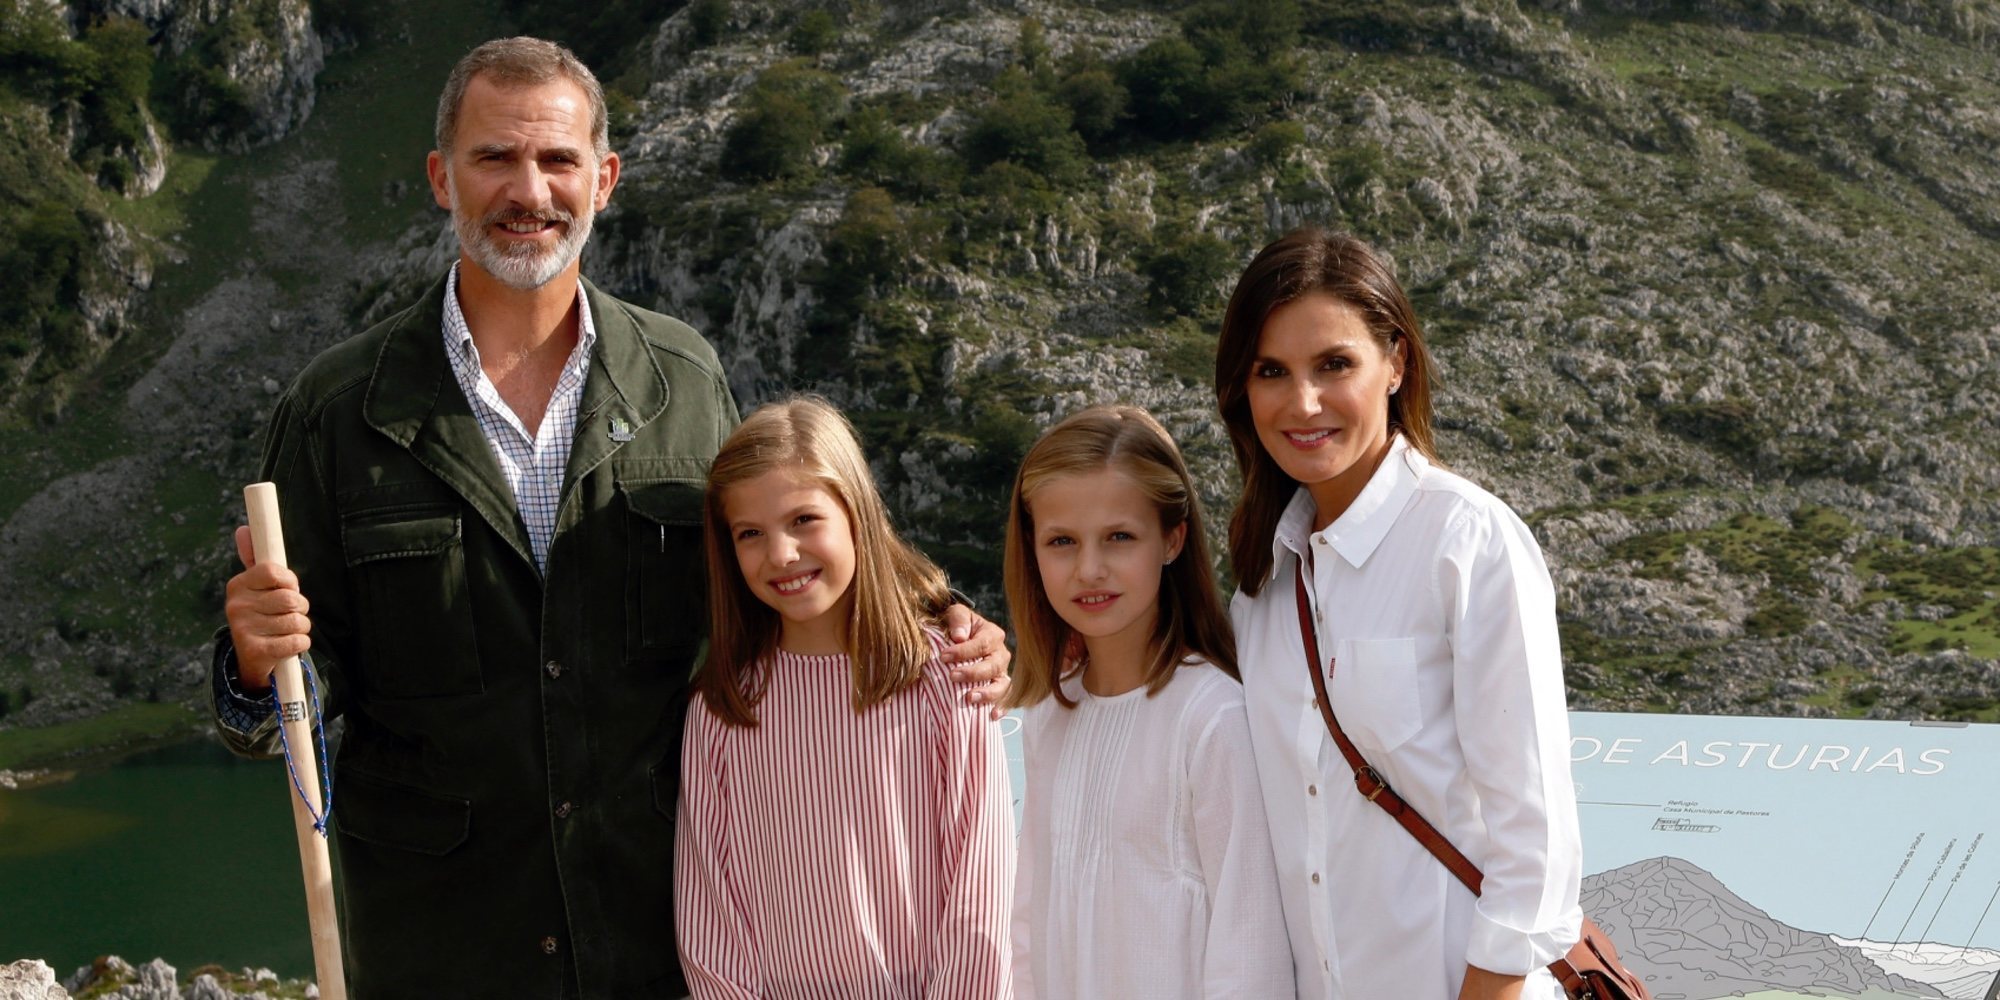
point(532, 461)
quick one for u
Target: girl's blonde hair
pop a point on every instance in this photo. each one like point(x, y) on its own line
point(895, 588)
point(1191, 619)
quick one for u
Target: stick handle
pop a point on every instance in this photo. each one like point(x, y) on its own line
point(267, 543)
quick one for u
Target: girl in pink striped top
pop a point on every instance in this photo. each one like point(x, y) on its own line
point(845, 821)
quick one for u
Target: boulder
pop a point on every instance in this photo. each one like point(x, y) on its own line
point(30, 979)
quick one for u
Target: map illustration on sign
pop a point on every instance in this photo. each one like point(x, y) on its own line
point(1782, 858)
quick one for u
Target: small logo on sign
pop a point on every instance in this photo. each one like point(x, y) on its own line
point(292, 711)
point(620, 430)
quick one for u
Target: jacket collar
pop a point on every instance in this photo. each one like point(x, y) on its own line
point(625, 390)
point(413, 399)
point(1359, 530)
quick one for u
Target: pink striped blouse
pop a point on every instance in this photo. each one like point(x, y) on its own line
point(828, 854)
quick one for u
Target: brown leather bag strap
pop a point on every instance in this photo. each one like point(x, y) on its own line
point(1368, 781)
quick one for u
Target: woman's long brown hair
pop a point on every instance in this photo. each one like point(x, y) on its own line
point(1191, 620)
point(1299, 263)
point(894, 586)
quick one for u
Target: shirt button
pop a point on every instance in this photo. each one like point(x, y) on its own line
point(1312, 789)
point(549, 945)
point(554, 669)
point(1315, 882)
point(563, 811)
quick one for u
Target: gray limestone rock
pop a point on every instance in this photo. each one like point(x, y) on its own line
point(30, 979)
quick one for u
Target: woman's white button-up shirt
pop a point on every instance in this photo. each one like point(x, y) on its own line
point(1432, 600)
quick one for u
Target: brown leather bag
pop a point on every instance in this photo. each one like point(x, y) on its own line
point(1591, 970)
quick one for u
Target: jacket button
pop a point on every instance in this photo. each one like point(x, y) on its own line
point(554, 669)
point(563, 811)
point(548, 945)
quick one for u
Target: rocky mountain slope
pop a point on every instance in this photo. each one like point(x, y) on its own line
point(1710, 284)
point(1688, 936)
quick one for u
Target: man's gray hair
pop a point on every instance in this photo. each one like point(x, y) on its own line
point(520, 62)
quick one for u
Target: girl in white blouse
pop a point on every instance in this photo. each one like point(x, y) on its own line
point(1436, 625)
point(1145, 869)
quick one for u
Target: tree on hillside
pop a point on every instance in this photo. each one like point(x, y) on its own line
point(784, 116)
point(1024, 126)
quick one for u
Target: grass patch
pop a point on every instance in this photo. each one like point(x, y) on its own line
point(1846, 692)
point(168, 210)
point(1964, 581)
point(1746, 545)
point(378, 114)
point(122, 727)
point(1641, 673)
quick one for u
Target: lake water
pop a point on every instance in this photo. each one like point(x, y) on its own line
point(185, 853)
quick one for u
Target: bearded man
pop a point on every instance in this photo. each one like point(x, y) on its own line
point(492, 501)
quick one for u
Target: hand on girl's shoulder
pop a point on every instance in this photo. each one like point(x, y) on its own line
point(937, 673)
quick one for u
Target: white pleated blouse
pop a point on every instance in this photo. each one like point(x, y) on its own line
point(1145, 869)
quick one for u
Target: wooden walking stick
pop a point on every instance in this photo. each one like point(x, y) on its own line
point(295, 718)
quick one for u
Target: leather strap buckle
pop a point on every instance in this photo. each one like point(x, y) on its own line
point(1366, 776)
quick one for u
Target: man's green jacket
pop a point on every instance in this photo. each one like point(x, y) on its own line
point(505, 791)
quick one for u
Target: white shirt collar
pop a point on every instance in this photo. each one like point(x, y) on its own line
point(458, 334)
point(1357, 532)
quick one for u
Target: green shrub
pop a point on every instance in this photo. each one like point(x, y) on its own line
point(621, 115)
point(1168, 87)
point(785, 114)
point(124, 74)
point(1775, 616)
point(813, 33)
point(1097, 103)
point(1274, 143)
point(1787, 174)
point(1010, 197)
point(1729, 426)
point(48, 254)
point(1262, 29)
point(1354, 166)
point(1231, 63)
point(706, 19)
point(1185, 270)
point(39, 57)
point(1031, 49)
point(867, 244)
point(873, 150)
point(1024, 126)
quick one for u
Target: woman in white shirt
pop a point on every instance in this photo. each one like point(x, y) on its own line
point(1433, 600)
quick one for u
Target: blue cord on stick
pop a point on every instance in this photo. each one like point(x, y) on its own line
point(321, 816)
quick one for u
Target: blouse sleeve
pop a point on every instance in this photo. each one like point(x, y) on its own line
point(970, 950)
point(718, 953)
point(1025, 863)
point(1513, 725)
point(1248, 953)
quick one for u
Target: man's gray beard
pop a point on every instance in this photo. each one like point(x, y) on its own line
point(525, 266)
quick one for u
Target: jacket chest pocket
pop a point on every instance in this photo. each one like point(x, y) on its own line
point(413, 609)
point(666, 587)
point(1376, 694)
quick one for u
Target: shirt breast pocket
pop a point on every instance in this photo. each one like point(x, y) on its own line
point(413, 608)
point(1375, 692)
